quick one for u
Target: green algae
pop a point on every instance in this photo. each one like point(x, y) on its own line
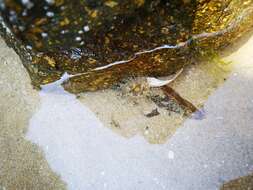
point(141, 37)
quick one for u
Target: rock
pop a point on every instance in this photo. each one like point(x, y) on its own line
point(242, 183)
point(103, 42)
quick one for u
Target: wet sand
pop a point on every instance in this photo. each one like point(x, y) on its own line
point(112, 107)
point(22, 163)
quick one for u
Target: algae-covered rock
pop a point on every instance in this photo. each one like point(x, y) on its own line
point(101, 42)
point(242, 183)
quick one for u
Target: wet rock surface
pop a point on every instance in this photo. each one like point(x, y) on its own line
point(242, 183)
point(152, 38)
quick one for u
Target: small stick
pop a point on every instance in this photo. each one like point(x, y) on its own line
point(168, 91)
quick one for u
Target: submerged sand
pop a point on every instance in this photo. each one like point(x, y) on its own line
point(125, 111)
point(22, 163)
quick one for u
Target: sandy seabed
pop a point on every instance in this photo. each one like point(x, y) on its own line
point(22, 163)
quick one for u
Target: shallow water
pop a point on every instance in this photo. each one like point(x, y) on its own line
point(200, 155)
point(105, 139)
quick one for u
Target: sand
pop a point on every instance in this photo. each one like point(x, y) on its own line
point(113, 107)
point(22, 164)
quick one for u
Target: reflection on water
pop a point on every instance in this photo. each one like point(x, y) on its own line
point(201, 155)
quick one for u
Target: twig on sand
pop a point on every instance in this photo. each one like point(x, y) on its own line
point(172, 94)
